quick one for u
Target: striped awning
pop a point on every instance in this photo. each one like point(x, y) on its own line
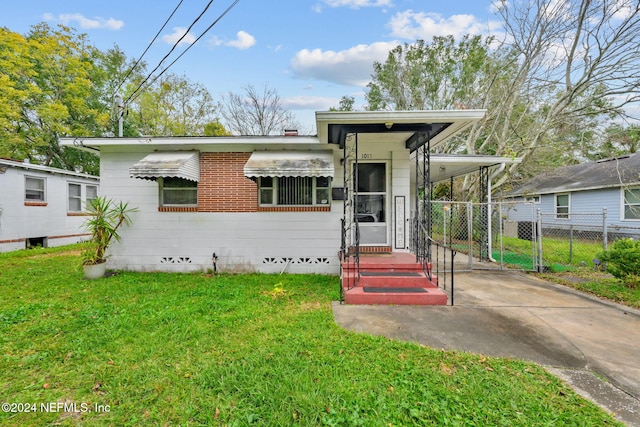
point(168, 164)
point(289, 163)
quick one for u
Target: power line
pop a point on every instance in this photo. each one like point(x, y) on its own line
point(175, 45)
point(132, 97)
point(146, 50)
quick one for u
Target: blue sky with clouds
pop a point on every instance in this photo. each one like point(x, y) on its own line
point(312, 52)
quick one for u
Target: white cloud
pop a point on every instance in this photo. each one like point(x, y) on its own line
point(316, 103)
point(412, 25)
point(243, 41)
point(353, 66)
point(97, 23)
point(178, 33)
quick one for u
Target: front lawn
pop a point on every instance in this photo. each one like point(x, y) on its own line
point(195, 349)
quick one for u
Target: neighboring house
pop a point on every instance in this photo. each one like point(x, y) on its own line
point(564, 196)
point(42, 206)
point(269, 203)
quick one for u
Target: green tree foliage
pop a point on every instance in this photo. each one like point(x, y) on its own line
point(442, 74)
point(173, 105)
point(346, 104)
point(54, 83)
point(46, 92)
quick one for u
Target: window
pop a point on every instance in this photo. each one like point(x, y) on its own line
point(562, 206)
point(632, 204)
point(34, 189)
point(75, 197)
point(92, 193)
point(532, 199)
point(294, 190)
point(78, 199)
point(178, 191)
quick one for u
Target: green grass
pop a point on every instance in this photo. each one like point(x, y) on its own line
point(598, 284)
point(196, 349)
point(580, 274)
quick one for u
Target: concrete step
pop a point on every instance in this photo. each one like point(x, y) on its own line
point(399, 296)
point(389, 279)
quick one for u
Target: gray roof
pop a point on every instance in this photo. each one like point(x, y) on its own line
point(606, 173)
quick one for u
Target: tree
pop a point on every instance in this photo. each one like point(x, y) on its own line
point(563, 69)
point(443, 74)
point(215, 128)
point(346, 104)
point(48, 94)
point(173, 105)
point(577, 62)
point(255, 113)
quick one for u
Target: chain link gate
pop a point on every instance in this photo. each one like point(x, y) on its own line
point(485, 235)
point(518, 235)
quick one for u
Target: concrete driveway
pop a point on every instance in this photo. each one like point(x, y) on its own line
point(511, 314)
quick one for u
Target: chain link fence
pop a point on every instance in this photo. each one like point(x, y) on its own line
point(518, 235)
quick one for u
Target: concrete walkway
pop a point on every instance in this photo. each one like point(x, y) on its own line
point(510, 314)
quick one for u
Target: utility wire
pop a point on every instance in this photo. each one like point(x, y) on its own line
point(132, 97)
point(146, 50)
point(175, 45)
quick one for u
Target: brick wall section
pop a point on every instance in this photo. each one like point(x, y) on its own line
point(223, 186)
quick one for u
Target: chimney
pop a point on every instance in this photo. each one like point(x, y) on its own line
point(291, 132)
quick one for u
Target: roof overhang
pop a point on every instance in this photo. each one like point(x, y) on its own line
point(415, 128)
point(447, 166)
point(167, 164)
point(290, 163)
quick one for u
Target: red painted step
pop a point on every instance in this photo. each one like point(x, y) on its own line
point(358, 295)
point(390, 279)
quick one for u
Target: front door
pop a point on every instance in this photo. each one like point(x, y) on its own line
point(371, 203)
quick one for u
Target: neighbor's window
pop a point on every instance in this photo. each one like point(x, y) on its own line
point(75, 198)
point(178, 191)
point(294, 190)
point(562, 206)
point(92, 193)
point(34, 189)
point(632, 204)
point(532, 199)
point(78, 203)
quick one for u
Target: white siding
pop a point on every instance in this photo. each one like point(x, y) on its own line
point(186, 241)
point(19, 222)
point(258, 241)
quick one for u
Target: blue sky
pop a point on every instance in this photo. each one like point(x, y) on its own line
point(312, 52)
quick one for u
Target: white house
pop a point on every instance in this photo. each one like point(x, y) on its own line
point(270, 203)
point(41, 205)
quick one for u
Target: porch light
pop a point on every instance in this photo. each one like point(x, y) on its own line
point(388, 125)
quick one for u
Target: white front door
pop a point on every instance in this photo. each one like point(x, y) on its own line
point(371, 203)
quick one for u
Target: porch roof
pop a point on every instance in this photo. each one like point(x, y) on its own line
point(447, 166)
point(414, 128)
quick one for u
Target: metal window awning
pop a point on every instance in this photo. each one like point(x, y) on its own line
point(289, 163)
point(168, 164)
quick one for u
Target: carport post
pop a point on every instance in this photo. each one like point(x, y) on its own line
point(540, 267)
point(605, 238)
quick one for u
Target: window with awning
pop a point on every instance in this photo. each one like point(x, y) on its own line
point(292, 178)
point(164, 164)
point(290, 164)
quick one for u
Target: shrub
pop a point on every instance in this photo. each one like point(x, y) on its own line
point(623, 261)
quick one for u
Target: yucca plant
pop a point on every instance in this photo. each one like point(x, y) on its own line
point(106, 217)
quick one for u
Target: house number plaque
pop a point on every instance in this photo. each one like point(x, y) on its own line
point(400, 222)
